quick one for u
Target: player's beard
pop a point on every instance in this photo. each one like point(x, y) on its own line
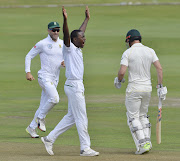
point(54, 37)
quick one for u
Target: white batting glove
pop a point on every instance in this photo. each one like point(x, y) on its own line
point(161, 91)
point(117, 83)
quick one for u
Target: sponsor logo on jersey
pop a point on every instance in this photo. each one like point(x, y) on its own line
point(49, 46)
point(35, 46)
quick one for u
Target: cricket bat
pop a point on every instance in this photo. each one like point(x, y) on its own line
point(158, 123)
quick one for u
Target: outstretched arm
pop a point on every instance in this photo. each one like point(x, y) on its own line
point(84, 24)
point(66, 37)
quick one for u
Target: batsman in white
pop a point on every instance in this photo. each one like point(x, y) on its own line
point(138, 59)
point(74, 90)
point(50, 52)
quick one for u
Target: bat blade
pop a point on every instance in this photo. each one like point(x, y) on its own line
point(158, 123)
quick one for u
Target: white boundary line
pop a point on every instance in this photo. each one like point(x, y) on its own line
point(104, 4)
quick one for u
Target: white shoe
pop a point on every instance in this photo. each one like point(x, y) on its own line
point(88, 152)
point(48, 145)
point(144, 149)
point(41, 124)
point(32, 132)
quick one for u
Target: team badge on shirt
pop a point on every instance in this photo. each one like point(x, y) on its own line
point(49, 46)
point(60, 45)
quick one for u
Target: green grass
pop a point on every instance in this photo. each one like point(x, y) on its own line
point(21, 28)
point(62, 2)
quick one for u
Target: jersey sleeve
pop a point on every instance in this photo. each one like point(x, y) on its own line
point(154, 56)
point(32, 53)
point(124, 59)
point(66, 49)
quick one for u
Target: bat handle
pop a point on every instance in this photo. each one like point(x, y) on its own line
point(160, 103)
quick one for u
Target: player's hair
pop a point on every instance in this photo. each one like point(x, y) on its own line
point(74, 34)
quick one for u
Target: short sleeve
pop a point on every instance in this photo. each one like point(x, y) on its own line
point(69, 49)
point(66, 49)
point(124, 59)
point(154, 56)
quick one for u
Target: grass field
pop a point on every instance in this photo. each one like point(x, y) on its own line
point(60, 2)
point(21, 28)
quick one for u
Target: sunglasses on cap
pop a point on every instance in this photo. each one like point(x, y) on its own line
point(54, 30)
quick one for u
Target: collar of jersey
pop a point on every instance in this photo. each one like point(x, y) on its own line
point(137, 44)
point(76, 47)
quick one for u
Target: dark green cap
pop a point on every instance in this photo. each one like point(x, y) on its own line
point(133, 34)
point(52, 25)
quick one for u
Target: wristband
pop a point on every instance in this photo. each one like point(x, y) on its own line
point(159, 86)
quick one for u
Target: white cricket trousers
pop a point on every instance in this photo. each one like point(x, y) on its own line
point(137, 103)
point(49, 97)
point(76, 114)
point(137, 107)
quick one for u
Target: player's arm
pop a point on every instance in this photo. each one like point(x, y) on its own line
point(161, 91)
point(32, 53)
point(85, 22)
point(120, 79)
point(159, 71)
point(122, 72)
point(66, 37)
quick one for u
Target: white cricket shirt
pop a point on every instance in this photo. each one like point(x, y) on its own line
point(138, 58)
point(73, 59)
point(51, 56)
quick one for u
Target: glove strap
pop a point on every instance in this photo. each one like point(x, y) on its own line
point(159, 86)
point(123, 80)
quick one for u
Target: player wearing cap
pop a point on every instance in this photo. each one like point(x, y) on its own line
point(74, 90)
point(138, 59)
point(51, 57)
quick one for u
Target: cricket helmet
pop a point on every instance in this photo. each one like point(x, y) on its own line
point(133, 35)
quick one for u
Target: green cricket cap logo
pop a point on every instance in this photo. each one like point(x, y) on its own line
point(53, 24)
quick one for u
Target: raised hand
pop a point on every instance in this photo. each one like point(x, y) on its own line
point(84, 24)
point(87, 13)
point(64, 12)
point(66, 37)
